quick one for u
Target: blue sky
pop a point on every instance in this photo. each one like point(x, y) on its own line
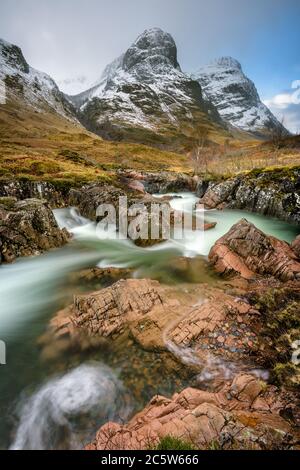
point(73, 40)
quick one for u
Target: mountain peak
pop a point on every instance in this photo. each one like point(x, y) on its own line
point(153, 45)
point(227, 62)
point(29, 86)
point(235, 96)
point(12, 56)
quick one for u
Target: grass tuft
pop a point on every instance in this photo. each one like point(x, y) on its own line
point(173, 443)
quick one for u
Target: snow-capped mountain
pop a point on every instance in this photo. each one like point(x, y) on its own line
point(144, 96)
point(145, 89)
point(234, 95)
point(32, 87)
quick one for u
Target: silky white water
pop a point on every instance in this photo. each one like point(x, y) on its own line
point(64, 408)
point(31, 284)
point(91, 392)
point(196, 243)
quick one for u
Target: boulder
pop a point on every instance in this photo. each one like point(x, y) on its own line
point(244, 414)
point(55, 193)
point(28, 228)
point(138, 306)
point(195, 326)
point(247, 251)
point(274, 193)
point(200, 330)
point(88, 198)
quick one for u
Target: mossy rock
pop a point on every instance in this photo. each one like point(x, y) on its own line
point(286, 374)
point(281, 325)
point(8, 202)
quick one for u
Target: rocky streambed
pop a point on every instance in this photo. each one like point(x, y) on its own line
point(202, 330)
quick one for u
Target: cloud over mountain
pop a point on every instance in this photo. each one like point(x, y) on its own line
point(286, 106)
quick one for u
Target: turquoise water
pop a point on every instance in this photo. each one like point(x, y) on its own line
point(39, 397)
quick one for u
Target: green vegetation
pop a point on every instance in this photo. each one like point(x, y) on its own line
point(273, 174)
point(173, 443)
point(281, 325)
point(45, 146)
point(7, 202)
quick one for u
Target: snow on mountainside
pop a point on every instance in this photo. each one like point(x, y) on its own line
point(34, 88)
point(235, 96)
point(145, 88)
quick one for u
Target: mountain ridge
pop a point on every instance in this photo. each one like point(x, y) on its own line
point(236, 98)
point(145, 88)
point(143, 96)
point(35, 88)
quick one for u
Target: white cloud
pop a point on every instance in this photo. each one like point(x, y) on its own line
point(73, 85)
point(286, 106)
point(296, 84)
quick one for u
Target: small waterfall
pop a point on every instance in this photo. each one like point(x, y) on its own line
point(39, 188)
point(70, 218)
point(66, 410)
point(29, 286)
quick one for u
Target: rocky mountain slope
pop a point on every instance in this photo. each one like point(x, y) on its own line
point(33, 88)
point(144, 95)
point(41, 138)
point(234, 95)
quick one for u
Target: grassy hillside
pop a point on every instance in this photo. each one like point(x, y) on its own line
point(44, 145)
point(239, 156)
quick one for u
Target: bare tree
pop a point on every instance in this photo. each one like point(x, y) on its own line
point(278, 134)
point(200, 152)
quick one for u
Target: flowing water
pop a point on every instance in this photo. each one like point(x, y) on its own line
point(60, 402)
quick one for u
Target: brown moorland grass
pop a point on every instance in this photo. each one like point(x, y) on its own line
point(239, 157)
point(46, 146)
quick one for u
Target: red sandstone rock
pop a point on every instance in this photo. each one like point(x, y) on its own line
point(296, 246)
point(161, 318)
point(244, 414)
point(247, 251)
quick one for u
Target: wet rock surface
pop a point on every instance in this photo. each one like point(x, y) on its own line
point(55, 194)
point(248, 251)
point(220, 337)
point(274, 193)
point(88, 198)
point(28, 228)
point(244, 414)
point(207, 329)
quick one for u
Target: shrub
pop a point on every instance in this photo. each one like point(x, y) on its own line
point(43, 168)
point(72, 156)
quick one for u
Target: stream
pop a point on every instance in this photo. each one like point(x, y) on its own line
point(59, 402)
